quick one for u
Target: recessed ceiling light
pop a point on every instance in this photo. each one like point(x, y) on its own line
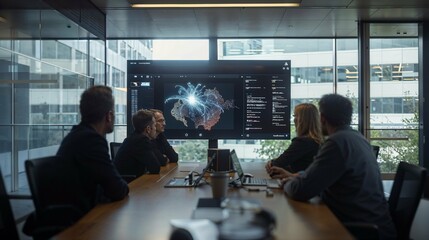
point(212, 3)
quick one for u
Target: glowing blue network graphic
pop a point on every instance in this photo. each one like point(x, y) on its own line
point(202, 106)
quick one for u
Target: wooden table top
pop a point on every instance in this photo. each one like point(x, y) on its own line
point(147, 211)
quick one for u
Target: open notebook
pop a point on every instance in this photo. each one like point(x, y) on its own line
point(251, 181)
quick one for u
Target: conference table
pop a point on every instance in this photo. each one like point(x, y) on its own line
point(147, 211)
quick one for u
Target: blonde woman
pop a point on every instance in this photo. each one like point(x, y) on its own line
point(299, 155)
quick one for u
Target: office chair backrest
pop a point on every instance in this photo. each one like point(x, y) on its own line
point(376, 150)
point(405, 196)
point(7, 221)
point(55, 189)
point(52, 182)
point(419, 229)
point(114, 147)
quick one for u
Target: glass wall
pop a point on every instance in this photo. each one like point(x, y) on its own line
point(394, 95)
point(118, 52)
point(42, 79)
point(42, 93)
point(393, 89)
point(312, 75)
point(157, 49)
point(319, 66)
point(347, 73)
point(42, 74)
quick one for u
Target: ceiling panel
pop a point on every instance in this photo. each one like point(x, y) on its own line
point(217, 15)
point(346, 28)
point(306, 14)
point(339, 15)
point(397, 14)
point(296, 28)
point(324, 18)
point(315, 18)
point(389, 3)
point(171, 14)
point(265, 25)
point(290, 25)
point(256, 14)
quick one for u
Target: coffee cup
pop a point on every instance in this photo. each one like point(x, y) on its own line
point(219, 182)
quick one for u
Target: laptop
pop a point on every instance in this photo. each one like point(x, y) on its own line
point(184, 182)
point(251, 181)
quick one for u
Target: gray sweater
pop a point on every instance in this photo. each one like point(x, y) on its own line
point(346, 175)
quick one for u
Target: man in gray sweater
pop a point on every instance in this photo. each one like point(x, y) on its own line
point(345, 173)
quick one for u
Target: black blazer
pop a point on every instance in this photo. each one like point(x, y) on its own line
point(298, 156)
point(165, 148)
point(98, 178)
point(138, 155)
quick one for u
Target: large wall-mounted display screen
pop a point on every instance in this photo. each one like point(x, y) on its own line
point(214, 99)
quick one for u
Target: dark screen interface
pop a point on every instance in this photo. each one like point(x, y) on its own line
point(214, 99)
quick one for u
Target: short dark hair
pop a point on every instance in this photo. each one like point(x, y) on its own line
point(95, 102)
point(156, 111)
point(141, 119)
point(336, 109)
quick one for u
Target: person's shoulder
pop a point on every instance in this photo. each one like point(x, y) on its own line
point(81, 140)
point(142, 141)
point(304, 140)
point(136, 137)
point(83, 133)
point(344, 132)
point(161, 136)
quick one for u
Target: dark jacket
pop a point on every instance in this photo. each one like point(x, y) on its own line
point(138, 155)
point(87, 151)
point(165, 148)
point(298, 156)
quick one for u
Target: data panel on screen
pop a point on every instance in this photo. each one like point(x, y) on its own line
point(214, 99)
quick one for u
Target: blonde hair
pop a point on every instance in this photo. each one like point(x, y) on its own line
point(308, 122)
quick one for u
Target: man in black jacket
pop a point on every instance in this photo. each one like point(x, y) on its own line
point(161, 141)
point(138, 154)
point(86, 149)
